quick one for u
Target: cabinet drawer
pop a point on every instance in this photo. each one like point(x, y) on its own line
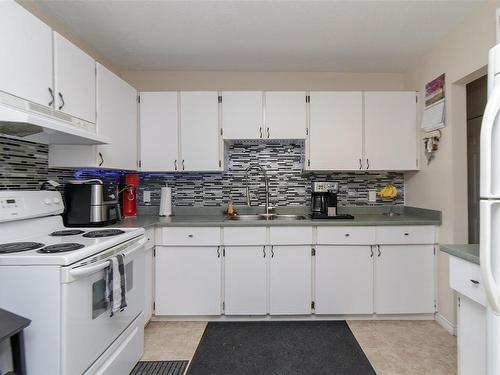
point(421, 234)
point(465, 278)
point(245, 236)
point(346, 235)
point(189, 236)
point(290, 235)
point(150, 235)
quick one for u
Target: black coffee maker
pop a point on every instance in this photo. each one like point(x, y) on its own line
point(324, 201)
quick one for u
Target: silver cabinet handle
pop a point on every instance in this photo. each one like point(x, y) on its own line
point(62, 101)
point(264, 251)
point(379, 252)
point(268, 133)
point(360, 164)
point(371, 251)
point(218, 251)
point(260, 131)
point(102, 159)
point(272, 251)
point(51, 97)
point(183, 164)
point(367, 163)
point(175, 164)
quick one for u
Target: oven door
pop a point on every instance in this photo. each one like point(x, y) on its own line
point(87, 327)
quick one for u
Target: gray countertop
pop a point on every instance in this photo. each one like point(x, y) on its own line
point(371, 216)
point(466, 252)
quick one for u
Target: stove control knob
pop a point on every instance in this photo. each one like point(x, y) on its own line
point(56, 200)
point(47, 201)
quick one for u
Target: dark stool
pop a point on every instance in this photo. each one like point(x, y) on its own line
point(11, 327)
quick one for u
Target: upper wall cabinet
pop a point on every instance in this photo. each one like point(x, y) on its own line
point(335, 131)
point(75, 80)
point(285, 115)
point(159, 132)
point(200, 141)
point(25, 55)
point(116, 120)
point(243, 115)
point(269, 115)
point(390, 131)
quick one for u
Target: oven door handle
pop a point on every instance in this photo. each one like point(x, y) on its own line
point(90, 269)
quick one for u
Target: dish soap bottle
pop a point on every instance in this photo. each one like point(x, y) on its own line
point(230, 208)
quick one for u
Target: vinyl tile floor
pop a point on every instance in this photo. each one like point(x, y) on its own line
point(392, 347)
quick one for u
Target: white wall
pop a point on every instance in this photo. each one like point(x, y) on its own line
point(462, 55)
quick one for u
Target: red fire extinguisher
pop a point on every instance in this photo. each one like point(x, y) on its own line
point(129, 196)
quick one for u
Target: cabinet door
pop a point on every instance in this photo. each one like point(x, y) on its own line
point(200, 131)
point(117, 120)
point(26, 54)
point(242, 115)
point(245, 280)
point(404, 279)
point(75, 80)
point(344, 280)
point(336, 131)
point(149, 285)
point(471, 337)
point(159, 131)
point(390, 131)
point(188, 280)
point(290, 280)
point(285, 114)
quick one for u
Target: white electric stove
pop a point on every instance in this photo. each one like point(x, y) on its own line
point(56, 277)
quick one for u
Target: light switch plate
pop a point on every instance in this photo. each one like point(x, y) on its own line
point(372, 196)
point(146, 197)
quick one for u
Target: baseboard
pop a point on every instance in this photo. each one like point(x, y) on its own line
point(446, 324)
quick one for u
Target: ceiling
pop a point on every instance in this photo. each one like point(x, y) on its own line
point(337, 36)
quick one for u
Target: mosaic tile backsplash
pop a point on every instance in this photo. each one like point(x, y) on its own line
point(24, 165)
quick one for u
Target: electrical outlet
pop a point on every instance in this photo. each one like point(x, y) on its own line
point(146, 197)
point(372, 196)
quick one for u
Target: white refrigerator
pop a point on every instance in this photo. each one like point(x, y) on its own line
point(490, 212)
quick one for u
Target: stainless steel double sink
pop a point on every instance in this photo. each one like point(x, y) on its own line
point(267, 217)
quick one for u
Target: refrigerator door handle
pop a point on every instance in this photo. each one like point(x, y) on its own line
point(488, 124)
point(490, 285)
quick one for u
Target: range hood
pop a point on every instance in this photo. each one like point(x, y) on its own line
point(33, 122)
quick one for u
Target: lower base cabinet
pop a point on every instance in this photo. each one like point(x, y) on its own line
point(149, 285)
point(344, 280)
point(404, 279)
point(471, 337)
point(290, 280)
point(245, 280)
point(188, 280)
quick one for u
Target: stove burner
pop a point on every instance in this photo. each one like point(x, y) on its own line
point(15, 247)
point(103, 233)
point(60, 248)
point(67, 232)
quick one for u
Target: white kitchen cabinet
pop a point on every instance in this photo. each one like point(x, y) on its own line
point(290, 280)
point(335, 139)
point(245, 280)
point(159, 131)
point(116, 120)
point(188, 280)
point(285, 115)
point(149, 284)
point(26, 68)
point(344, 280)
point(390, 131)
point(242, 115)
point(74, 79)
point(200, 142)
point(471, 337)
point(404, 279)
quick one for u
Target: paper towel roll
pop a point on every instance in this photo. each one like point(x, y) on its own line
point(166, 201)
